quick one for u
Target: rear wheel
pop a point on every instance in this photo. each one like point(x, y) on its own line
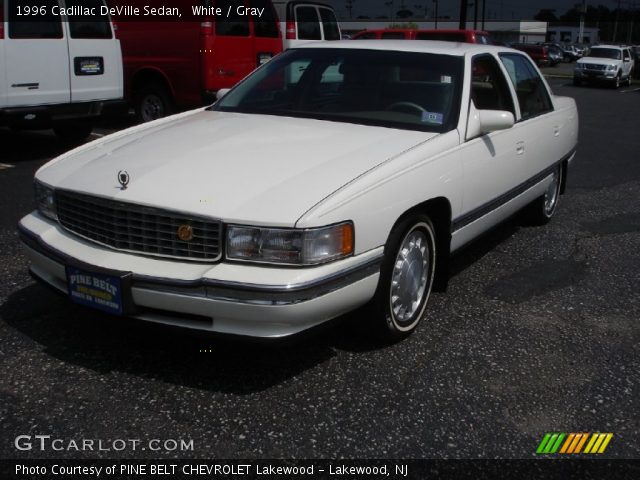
point(544, 207)
point(617, 81)
point(406, 279)
point(152, 101)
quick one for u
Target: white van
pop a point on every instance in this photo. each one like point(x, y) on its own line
point(304, 21)
point(57, 71)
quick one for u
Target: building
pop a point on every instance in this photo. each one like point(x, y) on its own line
point(571, 34)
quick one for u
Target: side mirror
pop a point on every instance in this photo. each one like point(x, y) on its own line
point(482, 122)
point(222, 92)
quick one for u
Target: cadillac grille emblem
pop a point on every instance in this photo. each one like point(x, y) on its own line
point(185, 233)
point(123, 179)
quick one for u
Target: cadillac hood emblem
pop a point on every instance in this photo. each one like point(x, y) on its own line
point(123, 179)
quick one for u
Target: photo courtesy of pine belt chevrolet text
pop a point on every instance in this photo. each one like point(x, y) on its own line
point(337, 176)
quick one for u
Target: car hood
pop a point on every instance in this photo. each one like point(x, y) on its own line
point(598, 61)
point(236, 167)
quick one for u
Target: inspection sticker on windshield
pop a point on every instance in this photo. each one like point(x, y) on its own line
point(431, 117)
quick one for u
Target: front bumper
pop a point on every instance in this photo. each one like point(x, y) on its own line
point(228, 298)
point(599, 75)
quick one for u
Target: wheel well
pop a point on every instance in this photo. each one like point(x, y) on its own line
point(149, 77)
point(439, 211)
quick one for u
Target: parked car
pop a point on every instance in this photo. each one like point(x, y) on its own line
point(59, 72)
point(448, 35)
point(556, 54)
point(538, 53)
point(303, 21)
point(570, 53)
point(287, 204)
point(611, 64)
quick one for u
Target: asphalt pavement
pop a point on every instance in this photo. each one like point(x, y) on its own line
point(539, 332)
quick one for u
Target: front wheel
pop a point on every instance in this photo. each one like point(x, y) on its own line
point(152, 101)
point(406, 279)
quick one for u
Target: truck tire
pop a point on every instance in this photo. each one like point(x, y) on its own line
point(152, 101)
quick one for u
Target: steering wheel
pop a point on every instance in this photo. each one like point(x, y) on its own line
point(415, 106)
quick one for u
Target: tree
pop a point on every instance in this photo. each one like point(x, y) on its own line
point(405, 13)
point(546, 15)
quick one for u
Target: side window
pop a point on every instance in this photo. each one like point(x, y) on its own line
point(92, 26)
point(532, 93)
point(489, 88)
point(626, 55)
point(267, 25)
point(46, 26)
point(308, 23)
point(234, 25)
point(329, 24)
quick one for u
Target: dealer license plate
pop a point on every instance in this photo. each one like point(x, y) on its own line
point(95, 290)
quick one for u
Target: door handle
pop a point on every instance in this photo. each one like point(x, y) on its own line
point(556, 131)
point(520, 148)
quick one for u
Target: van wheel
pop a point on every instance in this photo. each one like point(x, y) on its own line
point(74, 132)
point(152, 101)
point(543, 208)
point(406, 279)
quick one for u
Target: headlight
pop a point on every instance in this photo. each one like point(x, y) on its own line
point(290, 246)
point(45, 201)
point(612, 67)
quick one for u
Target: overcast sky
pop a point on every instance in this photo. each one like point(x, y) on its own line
point(495, 9)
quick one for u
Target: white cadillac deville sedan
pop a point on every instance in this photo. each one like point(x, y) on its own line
point(336, 176)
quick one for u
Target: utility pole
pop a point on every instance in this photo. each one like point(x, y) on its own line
point(463, 15)
point(436, 15)
point(475, 14)
point(583, 11)
point(615, 25)
point(484, 5)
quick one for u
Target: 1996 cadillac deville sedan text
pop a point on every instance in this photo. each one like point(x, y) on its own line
point(336, 176)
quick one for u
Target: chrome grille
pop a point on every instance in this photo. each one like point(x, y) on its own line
point(594, 66)
point(135, 228)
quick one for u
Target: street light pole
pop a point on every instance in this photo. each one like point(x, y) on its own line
point(436, 2)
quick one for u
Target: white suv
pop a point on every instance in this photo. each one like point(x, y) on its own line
point(610, 63)
point(58, 71)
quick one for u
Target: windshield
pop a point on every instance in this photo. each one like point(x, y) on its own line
point(605, 53)
point(417, 91)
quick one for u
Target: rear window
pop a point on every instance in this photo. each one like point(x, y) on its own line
point(329, 24)
point(265, 26)
point(308, 23)
point(47, 26)
point(234, 25)
point(91, 26)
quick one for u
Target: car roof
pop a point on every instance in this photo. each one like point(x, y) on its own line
point(420, 46)
point(608, 46)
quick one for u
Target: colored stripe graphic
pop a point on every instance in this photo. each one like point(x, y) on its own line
point(572, 443)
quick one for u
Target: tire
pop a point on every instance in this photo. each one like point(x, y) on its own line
point(629, 78)
point(406, 279)
point(542, 209)
point(73, 132)
point(577, 82)
point(152, 101)
point(617, 81)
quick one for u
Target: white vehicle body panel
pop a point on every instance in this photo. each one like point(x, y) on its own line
point(283, 172)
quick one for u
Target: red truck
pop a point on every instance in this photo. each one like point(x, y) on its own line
point(174, 63)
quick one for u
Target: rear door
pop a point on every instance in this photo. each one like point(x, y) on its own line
point(36, 55)
point(231, 55)
point(95, 58)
